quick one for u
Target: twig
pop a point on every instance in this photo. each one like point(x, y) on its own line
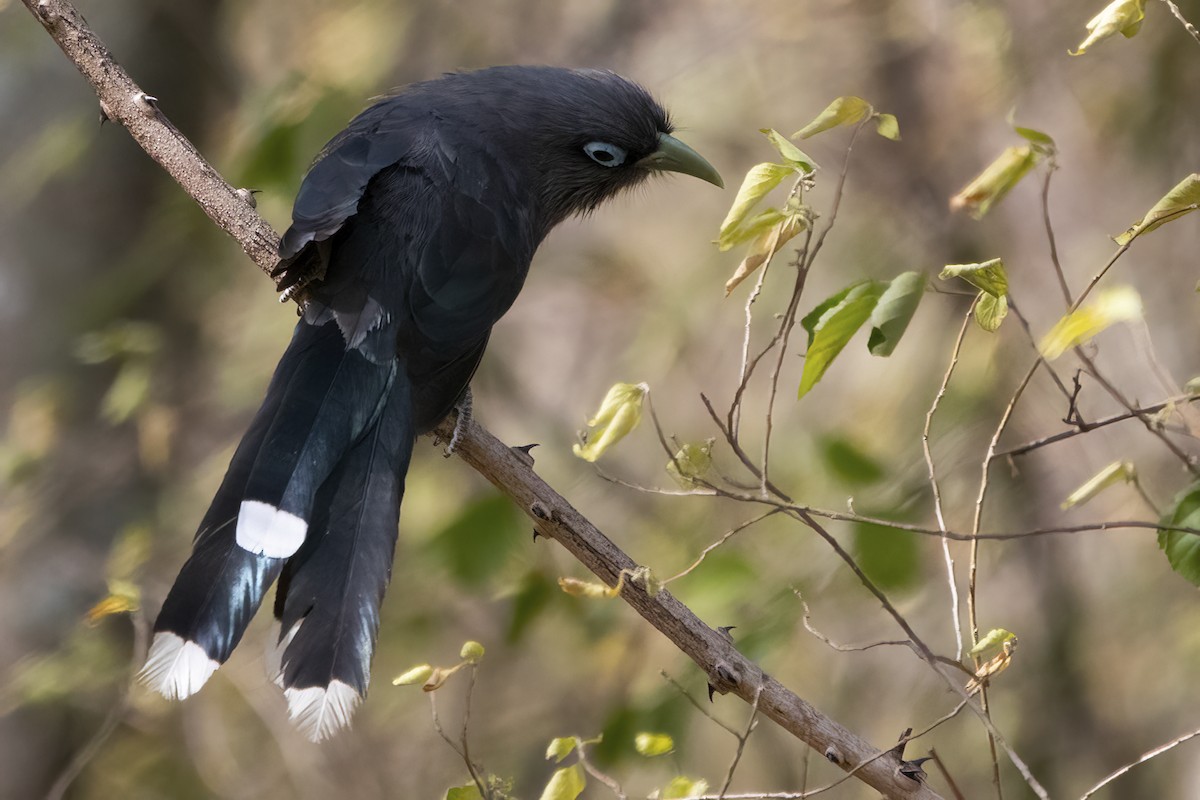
point(123, 101)
point(937, 760)
point(729, 534)
point(742, 738)
point(1051, 166)
point(937, 493)
point(1141, 760)
point(1189, 27)
point(699, 707)
point(1140, 411)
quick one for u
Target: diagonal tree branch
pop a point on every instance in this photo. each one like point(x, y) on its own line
point(728, 670)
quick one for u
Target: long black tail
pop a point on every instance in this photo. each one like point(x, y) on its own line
point(321, 400)
point(330, 592)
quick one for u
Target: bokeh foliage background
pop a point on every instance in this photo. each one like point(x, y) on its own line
point(138, 342)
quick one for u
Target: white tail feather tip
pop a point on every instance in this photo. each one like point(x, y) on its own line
point(321, 712)
point(175, 667)
point(266, 531)
point(277, 644)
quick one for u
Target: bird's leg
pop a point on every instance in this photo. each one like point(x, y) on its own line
point(463, 407)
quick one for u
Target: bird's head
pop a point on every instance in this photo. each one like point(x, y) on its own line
point(581, 136)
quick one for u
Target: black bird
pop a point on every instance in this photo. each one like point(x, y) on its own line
point(411, 236)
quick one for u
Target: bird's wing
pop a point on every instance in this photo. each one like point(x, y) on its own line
point(381, 136)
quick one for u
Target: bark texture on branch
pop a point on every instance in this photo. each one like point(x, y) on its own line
point(728, 670)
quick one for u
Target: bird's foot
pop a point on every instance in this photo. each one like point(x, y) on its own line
point(462, 421)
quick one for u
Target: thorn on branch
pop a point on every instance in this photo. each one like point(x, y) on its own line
point(148, 103)
point(47, 14)
point(247, 195)
point(912, 769)
point(833, 755)
point(105, 113)
point(524, 454)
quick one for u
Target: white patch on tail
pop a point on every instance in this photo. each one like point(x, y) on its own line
point(266, 531)
point(175, 667)
point(321, 712)
point(276, 645)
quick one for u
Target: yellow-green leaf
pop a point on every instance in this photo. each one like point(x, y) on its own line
point(418, 674)
point(438, 677)
point(1116, 472)
point(466, 792)
point(128, 393)
point(893, 312)
point(990, 311)
point(683, 788)
point(842, 111)
point(565, 784)
point(561, 747)
point(471, 652)
point(988, 276)
point(831, 325)
point(754, 226)
point(791, 154)
point(887, 126)
point(619, 413)
point(578, 588)
point(994, 640)
point(765, 246)
point(996, 180)
point(653, 744)
point(1119, 304)
point(758, 183)
point(691, 461)
point(1120, 16)
point(1183, 199)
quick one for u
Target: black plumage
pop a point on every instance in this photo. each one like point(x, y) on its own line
point(412, 235)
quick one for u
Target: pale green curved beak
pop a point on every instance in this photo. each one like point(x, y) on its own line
point(673, 155)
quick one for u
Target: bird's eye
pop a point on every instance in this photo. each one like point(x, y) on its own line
point(605, 154)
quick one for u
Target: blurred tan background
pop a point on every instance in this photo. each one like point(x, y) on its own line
point(103, 259)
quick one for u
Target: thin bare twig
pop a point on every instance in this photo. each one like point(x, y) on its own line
point(1140, 411)
point(742, 738)
point(1141, 760)
point(1187, 26)
point(933, 484)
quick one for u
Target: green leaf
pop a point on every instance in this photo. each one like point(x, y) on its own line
point(990, 311)
point(471, 652)
point(758, 183)
point(832, 330)
point(888, 556)
point(1182, 548)
point(477, 544)
point(988, 276)
point(682, 788)
point(1118, 304)
point(842, 111)
point(791, 154)
point(1183, 199)
point(691, 461)
point(1120, 16)
point(561, 747)
point(849, 462)
point(1114, 473)
point(753, 227)
point(466, 792)
point(994, 640)
point(997, 179)
point(887, 126)
point(894, 311)
point(565, 784)
point(653, 744)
